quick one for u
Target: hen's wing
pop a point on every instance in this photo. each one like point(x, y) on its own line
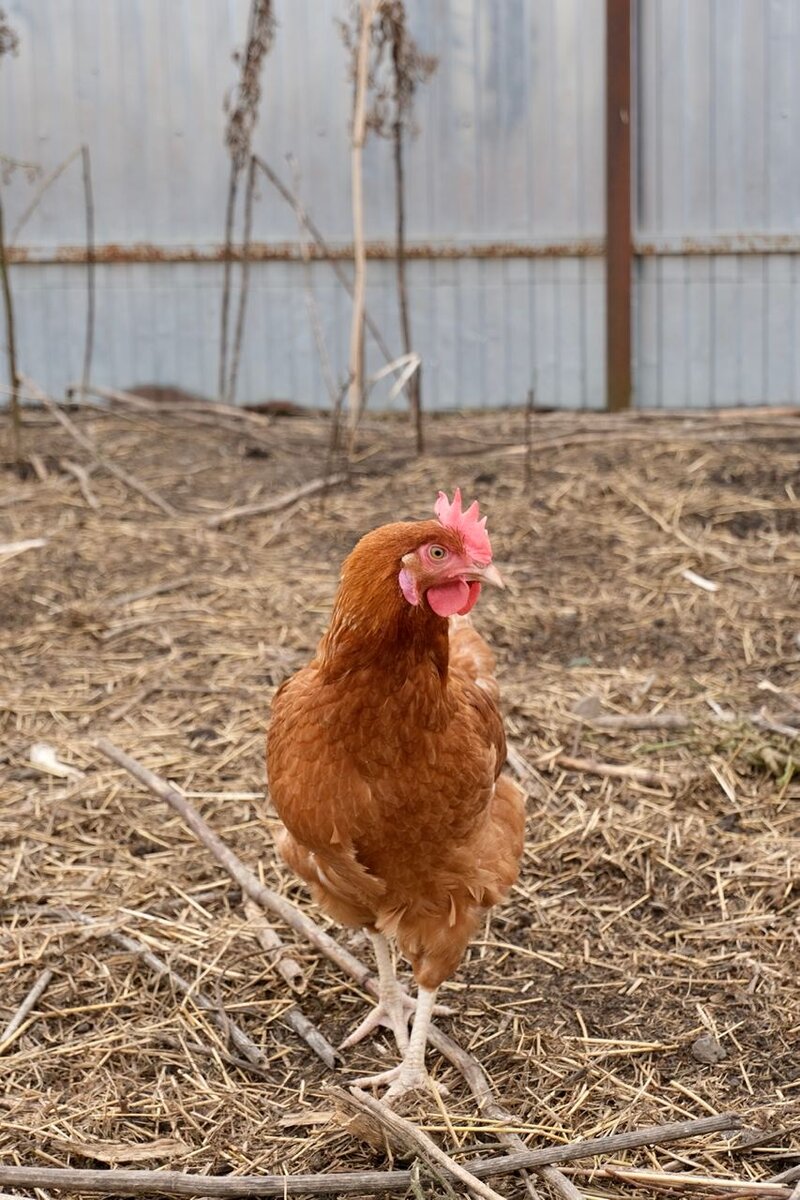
point(322, 801)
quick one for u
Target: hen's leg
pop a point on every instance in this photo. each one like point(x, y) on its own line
point(410, 1075)
point(394, 1007)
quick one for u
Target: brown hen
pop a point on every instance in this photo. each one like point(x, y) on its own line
point(384, 762)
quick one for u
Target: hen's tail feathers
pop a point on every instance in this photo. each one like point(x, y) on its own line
point(470, 655)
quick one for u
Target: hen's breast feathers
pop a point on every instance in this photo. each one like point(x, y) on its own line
point(399, 776)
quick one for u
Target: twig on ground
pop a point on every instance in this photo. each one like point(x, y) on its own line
point(591, 766)
point(688, 1181)
point(418, 1142)
point(297, 1020)
point(676, 720)
point(276, 503)
point(176, 1183)
point(40, 984)
point(88, 445)
point(277, 952)
point(183, 1045)
point(82, 476)
point(11, 549)
point(245, 878)
point(788, 1176)
point(237, 1037)
point(294, 1017)
point(660, 720)
point(156, 589)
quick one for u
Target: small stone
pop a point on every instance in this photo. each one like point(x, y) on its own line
point(706, 1049)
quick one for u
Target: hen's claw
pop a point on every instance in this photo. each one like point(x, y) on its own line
point(402, 1080)
point(391, 1012)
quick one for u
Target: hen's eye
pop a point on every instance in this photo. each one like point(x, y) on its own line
point(437, 552)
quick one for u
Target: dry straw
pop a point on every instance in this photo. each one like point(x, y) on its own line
point(657, 912)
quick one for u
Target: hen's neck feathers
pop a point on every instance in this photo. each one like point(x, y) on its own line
point(373, 625)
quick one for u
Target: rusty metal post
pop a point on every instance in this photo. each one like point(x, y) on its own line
point(618, 204)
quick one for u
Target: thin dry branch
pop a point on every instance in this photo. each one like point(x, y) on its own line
point(188, 408)
point(617, 771)
point(88, 445)
point(313, 230)
point(688, 1181)
point(355, 396)
point(82, 476)
point(176, 1183)
point(40, 985)
point(239, 1040)
point(43, 187)
point(238, 337)
point(277, 502)
point(11, 344)
point(227, 268)
point(86, 163)
point(419, 1143)
point(277, 952)
point(237, 870)
point(236, 1036)
point(392, 116)
point(238, 139)
point(614, 721)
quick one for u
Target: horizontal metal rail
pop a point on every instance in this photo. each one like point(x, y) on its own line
point(656, 246)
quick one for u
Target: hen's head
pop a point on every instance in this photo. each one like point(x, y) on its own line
point(452, 560)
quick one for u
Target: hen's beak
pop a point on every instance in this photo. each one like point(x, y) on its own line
point(488, 574)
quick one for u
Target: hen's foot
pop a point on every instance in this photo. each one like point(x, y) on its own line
point(403, 1080)
point(409, 1075)
point(393, 1011)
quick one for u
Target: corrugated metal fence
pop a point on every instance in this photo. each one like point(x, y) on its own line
point(505, 197)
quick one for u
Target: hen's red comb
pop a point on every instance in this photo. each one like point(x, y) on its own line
point(469, 524)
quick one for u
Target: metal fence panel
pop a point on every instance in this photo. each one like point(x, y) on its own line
point(719, 135)
point(509, 151)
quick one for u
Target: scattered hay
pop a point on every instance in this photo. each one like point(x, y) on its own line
point(647, 917)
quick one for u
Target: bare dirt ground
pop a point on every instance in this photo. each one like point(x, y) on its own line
point(652, 911)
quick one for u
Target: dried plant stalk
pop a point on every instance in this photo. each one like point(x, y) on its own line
point(176, 1183)
point(355, 400)
point(239, 138)
point(13, 377)
point(86, 163)
point(230, 394)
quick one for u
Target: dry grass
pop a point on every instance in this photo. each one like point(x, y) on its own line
point(645, 916)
